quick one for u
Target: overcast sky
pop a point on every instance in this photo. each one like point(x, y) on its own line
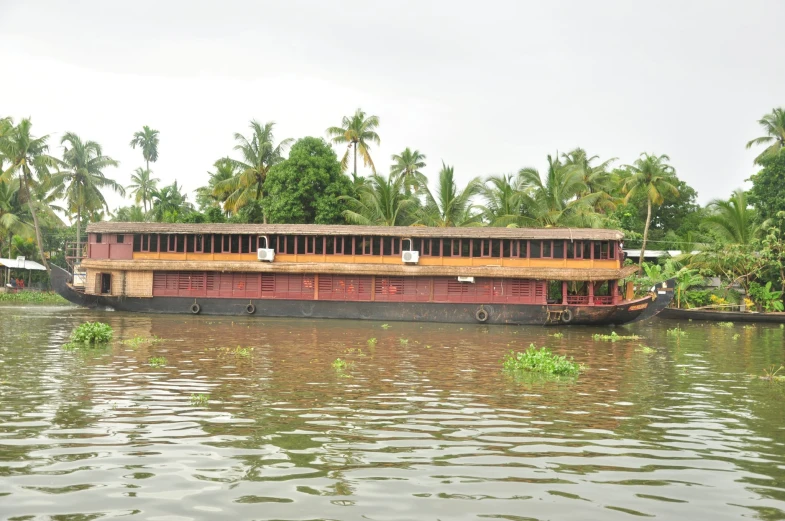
point(489, 87)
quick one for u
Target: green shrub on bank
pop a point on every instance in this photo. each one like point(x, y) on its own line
point(541, 361)
point(32, 297)
point(91, 334)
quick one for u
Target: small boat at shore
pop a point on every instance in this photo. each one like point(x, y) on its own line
point(542, 276)
point(722, 316)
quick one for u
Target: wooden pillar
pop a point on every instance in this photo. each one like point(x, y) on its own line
point(564, 292)
point(315, 286)
point(591, 293)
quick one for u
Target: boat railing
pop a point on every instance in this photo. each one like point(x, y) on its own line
point(577, 300)
point(604, 300)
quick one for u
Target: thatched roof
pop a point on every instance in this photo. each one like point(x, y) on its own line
point(383, 231)
point(588, 274)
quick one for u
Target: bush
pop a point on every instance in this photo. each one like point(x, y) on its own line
point(540, 361)
point(91, 334)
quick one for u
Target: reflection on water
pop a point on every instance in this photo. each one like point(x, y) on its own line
point(422, 425)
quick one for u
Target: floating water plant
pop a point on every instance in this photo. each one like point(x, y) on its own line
point(772, 373)
point(676, 332)
point(199, 399)
point(736, 336)
point(613, 337)
point(91, 334)
point(403, 341)
point(557, 335)
point(244, 352)
point(156, 361)
point(371, 342)
point(725, 324)
point(646, 349)
point(386, 326)
point(340, 365)
point(541, 361)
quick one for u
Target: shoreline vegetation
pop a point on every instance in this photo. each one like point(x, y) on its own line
point(731, 250)
point(43, 298)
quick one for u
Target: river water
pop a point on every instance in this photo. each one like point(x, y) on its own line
point(248, 419)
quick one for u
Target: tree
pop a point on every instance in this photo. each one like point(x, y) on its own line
point(408, 164)
point(211, 196)
point(308, 187)
point(774, 126)
point(259, 155)
point(142, 186)
point(147, 140)
point(82, 178)
point(595, 178)
point(505, 198)
point(557, 200)
point(30, 163)
point(359, 132)
point(129, 214)
point(732, 220)
point(767, 194)
point(168, 203)
point(380, 202)
point(652, 175)
point(449, 206)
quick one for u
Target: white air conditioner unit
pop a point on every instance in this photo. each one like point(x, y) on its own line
point(466, 279)
point(265, 254)
point(411, 256)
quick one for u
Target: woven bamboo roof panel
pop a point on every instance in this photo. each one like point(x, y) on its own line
point(479, 232)
point(389, 270)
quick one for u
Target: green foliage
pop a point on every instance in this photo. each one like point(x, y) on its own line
point(307, 188)
point(371, 342)
point(341, 365)
point(771, 373)
point(139, 340)
point(646, 350)
point(243, 352)
point(403, 341)
point(676, 332)
point(613, 337)
point(156, 361)
point(386, 326)
point(199, 399)
point(541, 361)
point(357, 132)
point(765, 297)
point(768, 186)
point(726, 325)
point(91, 334)
point(558, 334)
point(33, 297)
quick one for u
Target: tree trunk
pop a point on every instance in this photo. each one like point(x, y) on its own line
point(37, 228)
point(355, 163)
point(8, 272)
point(645, 232)
point(78, 234)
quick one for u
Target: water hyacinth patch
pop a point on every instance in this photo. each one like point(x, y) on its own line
point(613, 337)
point(541, 361)
point(91, 334)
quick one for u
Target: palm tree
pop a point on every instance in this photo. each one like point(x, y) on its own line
point(596, 178)
point(30, 163)
point(82, 178)
point(450, 206)
point(407, 164)
point(147, 140)
point(168, 202)
point(774, 126)
point(380, 202)
point(733, 221)
point(561, 199)
point(14, 220)
point(211, 195)
point(359, 132)
point(142, 186)
point(505, 199)
point(129, 214)
point(653, 175)
point(260, 153)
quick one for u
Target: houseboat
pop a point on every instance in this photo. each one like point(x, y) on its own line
point(458, 275)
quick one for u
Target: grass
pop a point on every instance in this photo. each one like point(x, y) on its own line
point(33, 297)
point(371, 342)
point(676, 332)
point(91, 334)
point(156, 361)
point(725, 324)
point(541, 361)
point(646, 349)
point(200, 399)
point(613, 337)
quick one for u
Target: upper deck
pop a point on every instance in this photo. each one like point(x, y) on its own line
point(570, 248)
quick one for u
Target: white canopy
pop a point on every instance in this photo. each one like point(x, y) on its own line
point(22, 264)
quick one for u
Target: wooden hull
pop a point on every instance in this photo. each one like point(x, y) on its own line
point(460, 313)
point(722, 316)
